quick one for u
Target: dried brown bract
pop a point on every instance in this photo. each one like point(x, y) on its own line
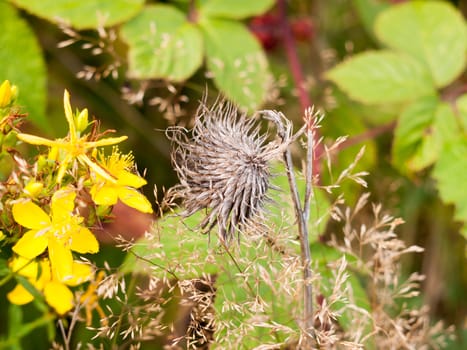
point(224, 167)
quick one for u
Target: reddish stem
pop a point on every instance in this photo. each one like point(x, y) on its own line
point(292, 56)
point(369, 134)
point(289, 43)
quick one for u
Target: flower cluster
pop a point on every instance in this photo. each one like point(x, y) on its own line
point(49, 208)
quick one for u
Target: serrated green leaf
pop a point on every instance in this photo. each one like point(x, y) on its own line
point(444, 128)
point(234, 9)
point(22, 64)
point(410, 131)
point(236, 61)
point(83, 14)
point(162, 44)
point(422, 130)
point(432, 31)
point(382, 77)
point(451, 175)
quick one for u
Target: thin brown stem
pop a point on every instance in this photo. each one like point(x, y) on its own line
point(369, 134)
point(302, 231)
point(304, 245)
point(310, 159)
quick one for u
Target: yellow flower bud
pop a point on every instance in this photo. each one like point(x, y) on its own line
point(5, 94)
point(14, 92)
point(81, 120)
point(53, 153)
point(2, 236)
point(33, 188)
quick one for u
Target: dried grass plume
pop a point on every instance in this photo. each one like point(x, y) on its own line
point(223, 167)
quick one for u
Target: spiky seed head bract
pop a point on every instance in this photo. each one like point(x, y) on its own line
point(223, 168)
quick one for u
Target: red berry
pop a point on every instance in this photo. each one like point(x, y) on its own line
point(265, 28)
point(302, 29)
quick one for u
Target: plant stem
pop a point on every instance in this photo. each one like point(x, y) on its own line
point(304, 244)
point(296, 70)
point(369, 134)
point(300, 215)
point(308, 172)
point(292, 56)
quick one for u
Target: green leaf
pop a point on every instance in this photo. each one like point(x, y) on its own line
point(15, 324)
point(432, 31)
point(410, 131)
point(282, 211)
point(177, 250)
point(83, 14)
point(451, 175)
point(162, 44)
point(236, 61)
point(22, 64)
point(422, 130)
point(382, 77)
point(234, 9)
point(4, 270)
point(368, 10)
point(461, 105)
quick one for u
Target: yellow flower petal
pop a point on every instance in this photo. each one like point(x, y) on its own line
point(134, 199)
point(61, 260)
point(37, 140)
point(125, 178)
point(20, 296)
point(5, 93)
point(82, 272)
point(24, 267)
point(63, 167)
point(30, 215)
point(106, 142)
point(45, 276)
point(53, 153)
point(69, 116)
point(104, 194)
point(33, 188)
point(85, 159)
point(83, 241)
point(31, 244)
point(63, 203)
point(59, 297)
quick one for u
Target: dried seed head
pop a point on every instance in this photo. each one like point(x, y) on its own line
point(223, 168)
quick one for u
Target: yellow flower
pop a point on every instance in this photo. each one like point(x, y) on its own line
point(60, 232)
point(33, 188)
point(105, 192)
point(74, 145)
point(7, 93)
point(2, 236)
point(40, 275)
